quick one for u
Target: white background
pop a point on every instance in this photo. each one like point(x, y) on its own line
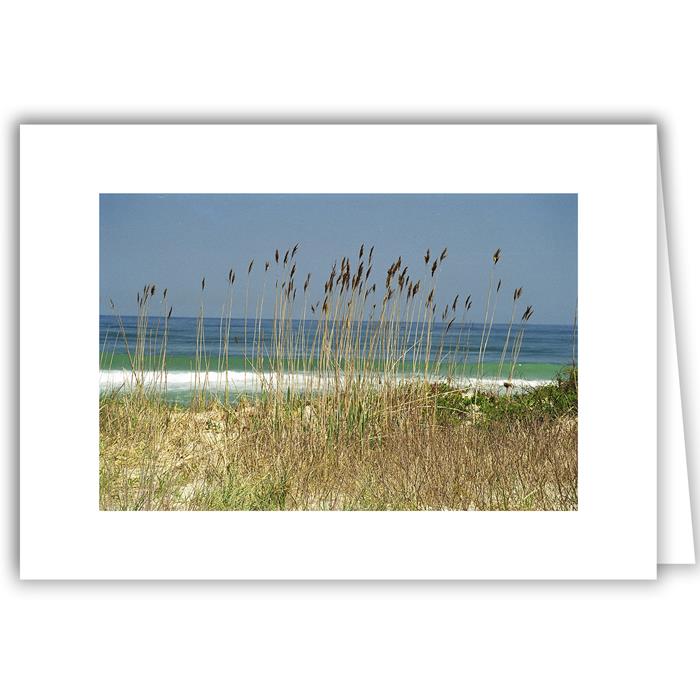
point(508, 62)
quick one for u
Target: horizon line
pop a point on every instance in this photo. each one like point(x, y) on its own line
point(313, 318)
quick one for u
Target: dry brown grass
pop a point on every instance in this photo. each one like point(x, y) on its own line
point(389, 430)
point(402, 457)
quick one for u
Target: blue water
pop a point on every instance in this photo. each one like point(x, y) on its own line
point(545, 349)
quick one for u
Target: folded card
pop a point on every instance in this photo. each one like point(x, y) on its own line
point(345, 352)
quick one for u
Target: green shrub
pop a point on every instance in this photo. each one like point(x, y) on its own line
point(548, 401)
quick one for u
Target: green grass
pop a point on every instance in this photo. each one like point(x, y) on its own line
point(548, 401)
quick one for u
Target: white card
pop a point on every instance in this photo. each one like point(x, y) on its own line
point(612, 171)
point(676, 544)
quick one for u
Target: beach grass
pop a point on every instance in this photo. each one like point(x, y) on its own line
point(377, 422)
point(411, 450)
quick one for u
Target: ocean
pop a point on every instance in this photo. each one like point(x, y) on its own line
point(544, 352)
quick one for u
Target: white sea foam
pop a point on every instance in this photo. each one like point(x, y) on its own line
point(254, 382)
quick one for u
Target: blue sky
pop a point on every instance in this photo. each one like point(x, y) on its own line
point(173, 240)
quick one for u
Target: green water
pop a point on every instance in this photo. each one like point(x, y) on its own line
point(523, 370)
